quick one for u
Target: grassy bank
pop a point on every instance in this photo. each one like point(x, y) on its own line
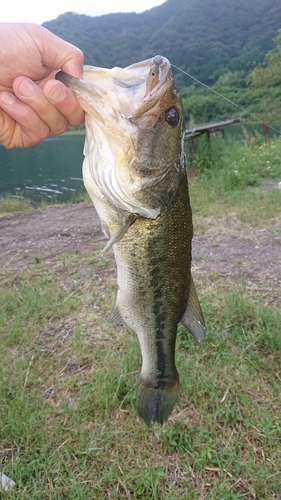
point(11, 204)
point(233, 176)
point(68, 426)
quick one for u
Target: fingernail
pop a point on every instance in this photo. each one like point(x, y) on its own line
point(7, 98)
point(56, 94)
point(26, 88)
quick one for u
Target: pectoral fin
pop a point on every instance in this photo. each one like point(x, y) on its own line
point(193, 319)
point(116, 317)
point(120, 232)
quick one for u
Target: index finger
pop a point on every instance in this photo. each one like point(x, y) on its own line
point(65, 101)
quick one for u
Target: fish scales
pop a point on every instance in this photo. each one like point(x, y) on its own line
point(153, 263)
point(135, 173)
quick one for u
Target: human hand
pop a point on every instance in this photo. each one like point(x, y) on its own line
point(33, 104)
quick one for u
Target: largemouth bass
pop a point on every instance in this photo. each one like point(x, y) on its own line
point(135, 172)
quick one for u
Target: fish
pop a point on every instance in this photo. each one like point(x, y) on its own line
point(135, 173)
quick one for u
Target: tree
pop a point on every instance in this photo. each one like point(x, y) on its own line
point(270, 74)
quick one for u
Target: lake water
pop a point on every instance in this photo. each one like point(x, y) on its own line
point(51, 170)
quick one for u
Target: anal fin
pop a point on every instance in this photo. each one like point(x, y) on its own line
point(193, 319)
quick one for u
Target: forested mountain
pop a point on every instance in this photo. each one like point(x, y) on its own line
point(206, 38)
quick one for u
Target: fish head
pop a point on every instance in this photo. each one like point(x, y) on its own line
point(134, 134)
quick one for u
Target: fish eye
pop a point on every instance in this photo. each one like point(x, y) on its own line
point(172, 116)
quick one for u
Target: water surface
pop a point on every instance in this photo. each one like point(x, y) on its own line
point(51, 170)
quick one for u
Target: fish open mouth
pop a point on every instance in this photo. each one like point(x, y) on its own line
point(145, 87)
point(157, 75)
point(124, 92)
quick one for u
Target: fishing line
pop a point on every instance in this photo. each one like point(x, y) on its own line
point(226, 99)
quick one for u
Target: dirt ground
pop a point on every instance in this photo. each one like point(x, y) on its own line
point(223, 249)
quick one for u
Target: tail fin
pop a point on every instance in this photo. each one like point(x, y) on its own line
point(156, 404)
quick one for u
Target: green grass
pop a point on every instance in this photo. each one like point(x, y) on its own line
point(10, 204)
point(68, 425)
point(229, 176)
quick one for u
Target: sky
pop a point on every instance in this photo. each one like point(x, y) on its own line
point(29, 11)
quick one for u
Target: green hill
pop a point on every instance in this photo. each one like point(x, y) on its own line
point(206, 38)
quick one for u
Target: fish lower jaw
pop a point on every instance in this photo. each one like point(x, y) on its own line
point(155, 401)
